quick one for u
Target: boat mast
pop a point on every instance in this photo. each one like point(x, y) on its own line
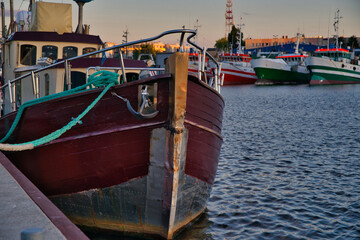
point(80, 28)
point(197, 26)
point(297, 43)
point(3, 20)
point(12, 29)
point(31, 3)
point(239, 50)
point(336, 27)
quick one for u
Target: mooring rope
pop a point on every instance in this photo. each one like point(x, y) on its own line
point(98, 79)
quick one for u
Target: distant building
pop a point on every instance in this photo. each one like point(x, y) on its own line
point(158, 46)
point(251, 44)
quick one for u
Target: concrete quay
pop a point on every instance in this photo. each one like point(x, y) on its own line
point(23, 206)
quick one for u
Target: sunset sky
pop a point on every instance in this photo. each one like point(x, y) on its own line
point(262, 18)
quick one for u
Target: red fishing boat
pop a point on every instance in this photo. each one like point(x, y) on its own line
point(112, 150)
point(237, 69)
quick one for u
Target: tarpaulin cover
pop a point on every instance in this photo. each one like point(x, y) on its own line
point(51, 17)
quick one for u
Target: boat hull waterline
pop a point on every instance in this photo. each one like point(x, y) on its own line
point(277, 71)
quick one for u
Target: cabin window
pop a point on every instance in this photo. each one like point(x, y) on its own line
point(50, 52)
point(77, 79)
point(28, 55)
point(130, 77)
point(89, 50)
point(47, 84)
point(70, 52)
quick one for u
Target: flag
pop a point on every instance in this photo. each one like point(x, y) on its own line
point(103, 58)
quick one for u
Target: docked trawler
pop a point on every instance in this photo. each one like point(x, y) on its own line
point(283, 69)
point(237, 69)
point(134, 156)
point(333, 65)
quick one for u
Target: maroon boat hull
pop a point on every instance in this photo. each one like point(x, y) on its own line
point(115, 172)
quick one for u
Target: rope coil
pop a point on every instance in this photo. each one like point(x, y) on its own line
point(98, 79)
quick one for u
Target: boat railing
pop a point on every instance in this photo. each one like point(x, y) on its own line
point(214, 83)
point(99, 68)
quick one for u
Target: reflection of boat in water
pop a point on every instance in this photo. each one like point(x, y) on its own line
point(333, 65)
point(282, 69)
point(237, 69)
point(137, 156)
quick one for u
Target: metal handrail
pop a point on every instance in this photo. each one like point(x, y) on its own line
point(98, 68)
point(176, 31)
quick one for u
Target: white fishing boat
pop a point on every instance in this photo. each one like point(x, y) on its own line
point(282, 69)
point(333, 65)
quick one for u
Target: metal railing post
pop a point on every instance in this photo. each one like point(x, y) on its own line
point(199, 66)
point(203, 65)
point(37, 82)
point(68, 74)
point(12, 96)
point(123, 67)
point(33, 82)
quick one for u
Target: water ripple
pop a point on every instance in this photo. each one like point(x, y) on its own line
point(289, 165)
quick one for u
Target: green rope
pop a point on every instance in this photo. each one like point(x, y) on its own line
point(98, 79)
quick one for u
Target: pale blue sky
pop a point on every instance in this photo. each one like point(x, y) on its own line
point(262, 18)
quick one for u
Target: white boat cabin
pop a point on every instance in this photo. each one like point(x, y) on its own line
point(337, 54)
point(293, 59)
point(234, 58)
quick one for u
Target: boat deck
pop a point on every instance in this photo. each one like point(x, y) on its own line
point(23, 206)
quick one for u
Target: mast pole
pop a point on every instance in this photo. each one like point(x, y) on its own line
point(3, 20)
point(12, 16)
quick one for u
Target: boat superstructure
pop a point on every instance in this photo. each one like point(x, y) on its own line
point(113, 150)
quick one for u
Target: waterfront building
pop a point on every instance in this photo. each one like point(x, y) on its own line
point(159, 47)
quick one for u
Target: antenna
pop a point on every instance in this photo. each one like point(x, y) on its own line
point(229, 19)
point(336, 26)
point(239, 45)
point(125, 36)
point(328, 40)
point(197, 26)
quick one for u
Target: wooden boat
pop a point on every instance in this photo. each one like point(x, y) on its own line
point(131, 156)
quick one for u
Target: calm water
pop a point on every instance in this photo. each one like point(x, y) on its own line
point(289, 166)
